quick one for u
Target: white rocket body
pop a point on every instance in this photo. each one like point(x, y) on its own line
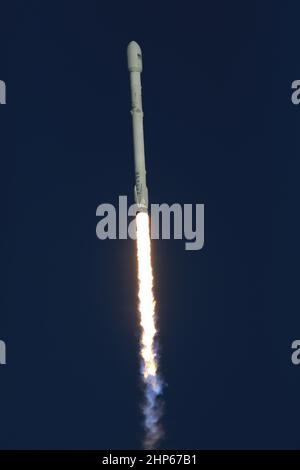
point(135, 67)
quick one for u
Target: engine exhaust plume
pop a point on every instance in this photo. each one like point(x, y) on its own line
point(148, 346)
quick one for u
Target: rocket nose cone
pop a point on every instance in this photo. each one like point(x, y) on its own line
point(134, 47)
point(134, 57)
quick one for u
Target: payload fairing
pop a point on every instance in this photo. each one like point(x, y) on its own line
point(135, 67)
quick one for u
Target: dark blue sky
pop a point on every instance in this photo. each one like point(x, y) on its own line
point(220, 129)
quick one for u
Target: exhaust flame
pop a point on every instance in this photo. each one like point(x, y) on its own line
point(149, 359)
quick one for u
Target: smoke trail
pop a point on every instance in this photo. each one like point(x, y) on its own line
point(149, 359)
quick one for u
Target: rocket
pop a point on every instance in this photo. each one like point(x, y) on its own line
point(135, 67)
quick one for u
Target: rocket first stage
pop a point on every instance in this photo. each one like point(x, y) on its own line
point(135, 67)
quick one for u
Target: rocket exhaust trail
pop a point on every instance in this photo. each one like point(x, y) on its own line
point(149, 359)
